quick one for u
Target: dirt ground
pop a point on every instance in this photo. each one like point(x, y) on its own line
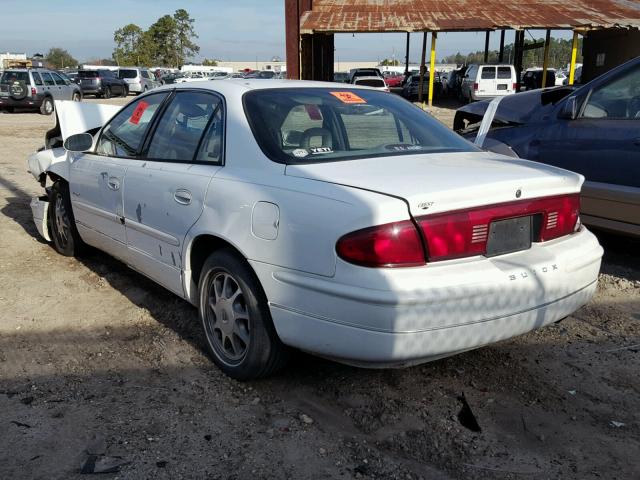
point(96, 359)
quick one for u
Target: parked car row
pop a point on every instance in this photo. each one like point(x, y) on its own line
point(35, 89)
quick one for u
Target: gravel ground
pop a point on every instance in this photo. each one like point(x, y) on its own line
point(99, 363)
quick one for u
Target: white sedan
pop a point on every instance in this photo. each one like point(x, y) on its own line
point(338, 220)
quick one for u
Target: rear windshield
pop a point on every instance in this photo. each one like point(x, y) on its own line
point(488, 73)
point(88, 74)
point(10, 77)
point(372, 82)
point(315, 125)
point(128, 73)
point(504, 72)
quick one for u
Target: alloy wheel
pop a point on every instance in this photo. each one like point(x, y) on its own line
point(227, 321)
point(62, 222)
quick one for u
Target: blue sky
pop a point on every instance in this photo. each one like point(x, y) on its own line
point(228, 30)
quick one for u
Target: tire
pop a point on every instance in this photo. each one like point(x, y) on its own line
point(47, 106)
point(107, 92)
point(9, 109)
point(125, 91)
point(76, 97)
point(66, 239)
point(18, 90)
point(241, 338)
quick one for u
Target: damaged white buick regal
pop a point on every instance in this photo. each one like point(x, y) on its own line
point(340, 221)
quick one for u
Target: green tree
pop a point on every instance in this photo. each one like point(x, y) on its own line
point(60, 58)
point(132, 47)
point(389, 63)
point(185, 34)
point(209, 63)
point(163, 41)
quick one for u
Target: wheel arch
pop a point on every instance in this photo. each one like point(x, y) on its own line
point(196, 253)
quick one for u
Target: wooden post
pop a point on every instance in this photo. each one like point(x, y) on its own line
point(432, 66)
point(406, 68)
point(545, 62)
point(486, 46)
point(574, 55)
point(501, 54)
point(422, 65)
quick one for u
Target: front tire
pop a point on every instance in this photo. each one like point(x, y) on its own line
point(236, 319)
point(66, 239)
point(76, 97)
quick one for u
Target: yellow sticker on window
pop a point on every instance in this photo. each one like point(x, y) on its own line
point(348, 97)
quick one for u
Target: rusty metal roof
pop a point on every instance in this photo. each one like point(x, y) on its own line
point(457, 15)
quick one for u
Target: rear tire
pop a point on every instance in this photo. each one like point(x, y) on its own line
point(66, 239)
point(125, 91)
point(47, 106)
point(107, 92)
point(241, 338)
point(76, 97)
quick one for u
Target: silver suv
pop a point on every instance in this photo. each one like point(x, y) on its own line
point(138, 80)
point(35, 88)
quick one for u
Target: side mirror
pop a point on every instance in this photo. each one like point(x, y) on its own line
point(570, 109)
point(80, 142)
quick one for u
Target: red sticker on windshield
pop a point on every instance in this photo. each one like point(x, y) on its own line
point(314, 112)
point(348, 97)
point(138, 112)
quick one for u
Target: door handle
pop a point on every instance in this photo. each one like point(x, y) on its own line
point(113, 183)
point(182, 196)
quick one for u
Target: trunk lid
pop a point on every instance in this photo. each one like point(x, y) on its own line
point(434, 183)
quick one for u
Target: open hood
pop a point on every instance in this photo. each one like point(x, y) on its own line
point(77, 117)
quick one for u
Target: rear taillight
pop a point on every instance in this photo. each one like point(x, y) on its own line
point(515, 87)
point(464, 233)
point(33, 92)
point(475, 86)
point(391, 245)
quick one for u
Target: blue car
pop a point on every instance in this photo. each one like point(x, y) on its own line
point(593, 129)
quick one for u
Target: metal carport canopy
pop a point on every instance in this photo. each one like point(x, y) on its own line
point(346, 16)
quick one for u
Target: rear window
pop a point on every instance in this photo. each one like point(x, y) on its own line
point(372, 82)
point(488, 73)
point(504, 72)
point(10, 77)
point(315, 125)
point(88, 74)
point(128, 73)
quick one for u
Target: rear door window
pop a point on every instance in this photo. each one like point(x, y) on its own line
point(488, 73)
point(58, 79)
point(48, 79)
point(124, 134)
point(504, 73)
point(180, 129)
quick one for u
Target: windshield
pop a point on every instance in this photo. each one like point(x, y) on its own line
point(314, 125)
point(127, 73)
point(10, 77)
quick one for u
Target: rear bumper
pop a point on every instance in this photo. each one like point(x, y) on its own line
point(28, 102)
point(91, 90)
point(134, 87)
point(421, 314)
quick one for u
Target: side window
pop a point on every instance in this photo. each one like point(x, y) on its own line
point(124, 134)
point(58, 79)
point(619, 99)
point(488, 73)
point(212, 145)
point(472, 73)
point(145, 74)
point(37, 79)
point(181, 127)
point(48, 79)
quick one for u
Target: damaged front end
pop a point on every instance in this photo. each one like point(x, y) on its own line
point(51, 162)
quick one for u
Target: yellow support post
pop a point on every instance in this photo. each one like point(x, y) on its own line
point(432, 66)
point(545, 62)
point(574, 55)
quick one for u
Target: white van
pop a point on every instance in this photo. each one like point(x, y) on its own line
point(488, 81)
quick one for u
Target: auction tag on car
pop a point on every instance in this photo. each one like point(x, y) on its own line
point(138, 112)
point(314, 112)
point(348, 97)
